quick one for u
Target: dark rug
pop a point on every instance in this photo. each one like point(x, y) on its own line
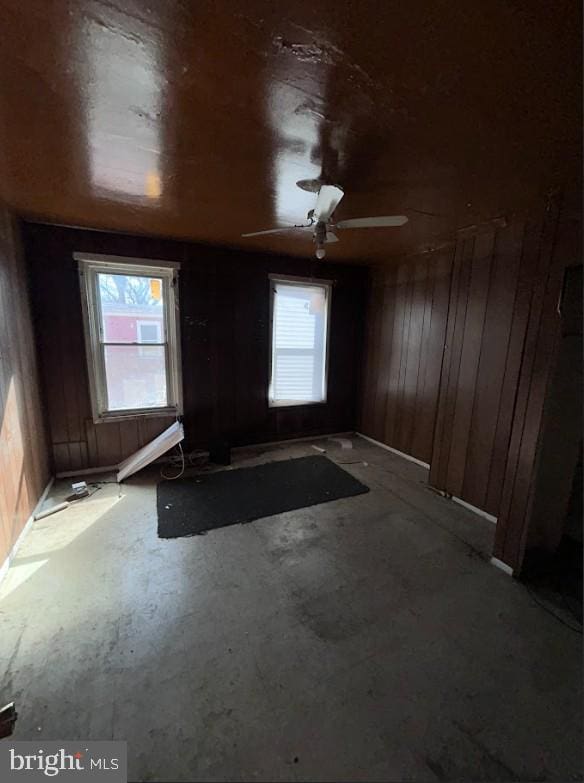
point(193, 505)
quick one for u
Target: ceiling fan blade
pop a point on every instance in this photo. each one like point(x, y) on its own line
point(373, 222)
point(328, 198)
point(330, 237)
point(269, 231)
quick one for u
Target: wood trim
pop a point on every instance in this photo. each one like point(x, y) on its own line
point(5, 565)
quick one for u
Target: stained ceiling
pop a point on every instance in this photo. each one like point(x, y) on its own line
point(196, 119)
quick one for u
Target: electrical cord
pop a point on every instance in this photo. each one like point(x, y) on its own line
point(77, 498)
point(182, 464)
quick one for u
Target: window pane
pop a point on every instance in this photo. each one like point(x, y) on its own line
point(125, 300)
point(135, 376)
point(149, 332)
point(299, 343)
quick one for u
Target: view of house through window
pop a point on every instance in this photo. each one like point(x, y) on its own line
point(135, 375)
point(133, 352)
point(300, 313)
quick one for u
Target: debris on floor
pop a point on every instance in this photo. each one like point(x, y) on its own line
point(52, 510)
point(80, 489)
point(8, 716)
point(344, 443)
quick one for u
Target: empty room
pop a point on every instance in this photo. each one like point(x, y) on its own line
point(291, 391)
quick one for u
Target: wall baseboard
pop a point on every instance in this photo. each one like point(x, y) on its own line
point(22, 535)
point(502, 566)
point(394, 451)
point(475, 509)
point(469, 506)
point(295, 440)
point(86, 471)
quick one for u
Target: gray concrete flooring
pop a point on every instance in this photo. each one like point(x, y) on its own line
point(364, 639)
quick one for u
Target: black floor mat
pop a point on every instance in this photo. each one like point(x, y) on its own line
point(193, 505)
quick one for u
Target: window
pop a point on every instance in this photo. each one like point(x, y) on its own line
point(300, 315)
point(149, 331)
point(132, 336)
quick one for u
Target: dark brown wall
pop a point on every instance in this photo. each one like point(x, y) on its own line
point(408, 308)
point(561, 432)
point(24, 464)
point(224, 298)
point(555, 244)
point(498, 333)
point(482, 358)
point(494, 331)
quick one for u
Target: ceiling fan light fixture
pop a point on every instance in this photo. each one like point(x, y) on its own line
point(320, 221)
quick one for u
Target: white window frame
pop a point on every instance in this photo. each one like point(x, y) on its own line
point(327, 285)
point(90, 264)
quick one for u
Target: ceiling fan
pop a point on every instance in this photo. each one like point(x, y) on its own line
point(322, 227)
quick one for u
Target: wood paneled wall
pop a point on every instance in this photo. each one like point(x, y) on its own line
point(24, 463)
point(496, 319)
point(408, 309)
point(224, 299)
point(486, 313)
point(552, 244)
point(482, 358)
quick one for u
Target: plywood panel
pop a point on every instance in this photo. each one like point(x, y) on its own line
point(371, 367)
point(24, 459)
point(417, 306)
point(470, 354)
point(439, 274)
point(404, 346)
point(442, 444)
point(224, 297)
point(543, 329)
point(491, 409)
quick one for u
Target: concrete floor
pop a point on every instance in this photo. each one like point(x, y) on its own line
point(364, 639)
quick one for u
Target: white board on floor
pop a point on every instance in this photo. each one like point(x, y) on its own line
point(151, 451)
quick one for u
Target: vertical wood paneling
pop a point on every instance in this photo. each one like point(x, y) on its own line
point(470, 355)
point(373, 350)
point(24, 459)
point(537, 361)
point(440, 274)
point(411, 380)
point(451, 367)
point(481, 362)
point(488, 417)
point(493, 326)
point(384, 346)
point(404, 346)
point(394, 358)
point(495, 378)
point(224, 299)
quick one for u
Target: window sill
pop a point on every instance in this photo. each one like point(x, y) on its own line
point(295, 404)
point(149, 413)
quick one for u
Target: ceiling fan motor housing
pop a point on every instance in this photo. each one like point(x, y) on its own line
point(320, 233)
